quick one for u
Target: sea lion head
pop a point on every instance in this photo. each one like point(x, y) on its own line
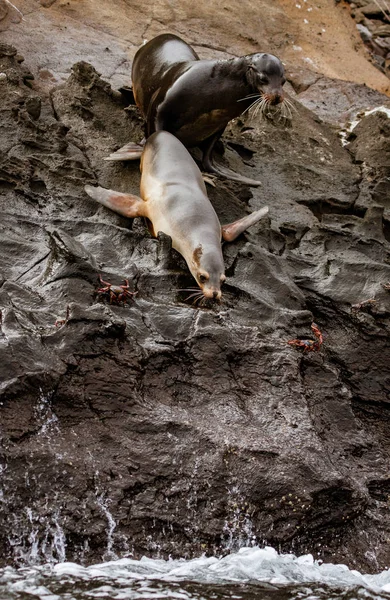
point(209, 271)
point(265, 74)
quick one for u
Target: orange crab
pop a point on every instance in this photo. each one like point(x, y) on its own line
point(309, 345)
point(116, 293)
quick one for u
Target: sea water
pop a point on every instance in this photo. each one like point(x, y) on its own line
point(247, 574)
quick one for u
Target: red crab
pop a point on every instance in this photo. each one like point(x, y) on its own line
point(61, 322)
point(366, 304)
point(309, 345)
point(116, 293)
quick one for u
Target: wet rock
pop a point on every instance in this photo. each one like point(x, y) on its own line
point(159, 427)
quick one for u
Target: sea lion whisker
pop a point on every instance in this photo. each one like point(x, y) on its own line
point(256, 106)
point(261, 108)
point(251, 115)
point(264, 101)
point(251, 106)
point(258, 100)
point(201, 297)
point(257, 110)
point(284, 111)
point(288, 101)
point(280, 114)
point(194, 295)
point(290, 104)
point(247, 110)
point(265, 105)
point(288, 111)
point(247, 97)
point(193, 289)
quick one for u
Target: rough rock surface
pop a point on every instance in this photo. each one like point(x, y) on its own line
point(373, 23)
point(161, 428)
point(336, 102)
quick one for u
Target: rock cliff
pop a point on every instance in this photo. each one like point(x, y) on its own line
point(159, 428)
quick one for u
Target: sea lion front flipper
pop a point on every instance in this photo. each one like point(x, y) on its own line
point(209, 178)
point(231, 231)
point(208, 163)
point(128, 205)
point(228, 174)
point(129, 151)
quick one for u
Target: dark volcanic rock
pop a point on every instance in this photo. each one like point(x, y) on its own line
point(370, 145)
point(158, 427)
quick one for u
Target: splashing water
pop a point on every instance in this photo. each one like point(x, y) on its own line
point(102, 502)
point(238, 528)
point(250, 573)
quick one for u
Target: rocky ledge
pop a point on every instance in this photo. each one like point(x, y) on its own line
point(161, 428)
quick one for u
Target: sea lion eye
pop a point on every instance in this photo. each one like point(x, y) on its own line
point(202, 278)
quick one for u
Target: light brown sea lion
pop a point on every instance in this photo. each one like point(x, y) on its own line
point(195, 99)
point(174, 199)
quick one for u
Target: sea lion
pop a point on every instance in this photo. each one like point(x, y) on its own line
point(195, 99)
point(174, 199)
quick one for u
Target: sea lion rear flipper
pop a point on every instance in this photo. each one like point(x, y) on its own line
point(128, 205)
point(231, 231)
point(129, 151)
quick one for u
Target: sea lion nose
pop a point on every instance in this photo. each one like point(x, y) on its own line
point(276, 98)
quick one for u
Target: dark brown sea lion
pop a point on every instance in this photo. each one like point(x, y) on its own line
point(195, 99)
point(174, 199)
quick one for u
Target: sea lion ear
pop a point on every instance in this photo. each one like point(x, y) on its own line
point(197, 254)
point(251, 74)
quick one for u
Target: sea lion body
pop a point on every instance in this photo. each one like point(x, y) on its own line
point(176, 203)
point(174, 199)
point(193, 98)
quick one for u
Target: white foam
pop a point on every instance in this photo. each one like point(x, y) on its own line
point(120, 577)
point(248, 564)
